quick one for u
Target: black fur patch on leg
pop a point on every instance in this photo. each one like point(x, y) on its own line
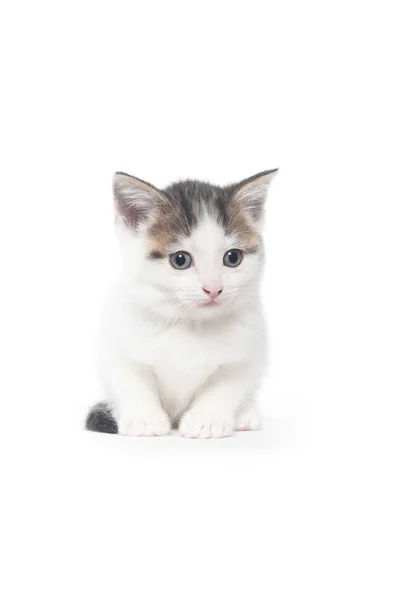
point(101, 419)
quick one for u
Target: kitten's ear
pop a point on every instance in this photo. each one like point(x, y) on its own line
point(251, 193)
point(134, 199)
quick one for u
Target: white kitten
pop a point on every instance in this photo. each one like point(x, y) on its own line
point(183, 335)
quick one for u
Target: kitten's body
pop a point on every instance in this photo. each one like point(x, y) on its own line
point(170, 355)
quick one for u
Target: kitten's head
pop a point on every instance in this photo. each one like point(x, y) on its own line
point(193, 250)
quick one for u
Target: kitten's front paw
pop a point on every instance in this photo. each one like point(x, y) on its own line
point(248, 419)
point(194, 424)
point(153, 424)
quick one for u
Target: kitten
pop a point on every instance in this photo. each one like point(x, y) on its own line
point(183, 334)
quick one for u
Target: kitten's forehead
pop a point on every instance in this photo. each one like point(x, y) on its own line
point(209, 236)
point(199, 210)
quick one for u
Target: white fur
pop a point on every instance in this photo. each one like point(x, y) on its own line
point(165, 359)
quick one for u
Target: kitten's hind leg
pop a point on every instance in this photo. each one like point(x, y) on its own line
point(248, 417)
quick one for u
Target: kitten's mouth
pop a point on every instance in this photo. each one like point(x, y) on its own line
point(210, 303)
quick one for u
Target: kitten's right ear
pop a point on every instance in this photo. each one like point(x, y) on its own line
point(134, 199)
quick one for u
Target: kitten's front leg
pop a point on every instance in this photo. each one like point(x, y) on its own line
point(248, 417)
point(137, 407)
point(213, 412)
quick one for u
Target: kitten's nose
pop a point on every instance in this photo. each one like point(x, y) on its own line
point(213, 291)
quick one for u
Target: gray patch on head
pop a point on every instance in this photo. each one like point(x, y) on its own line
point(101, 419)
point(197, 198)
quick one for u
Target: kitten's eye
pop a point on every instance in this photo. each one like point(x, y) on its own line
point(180, 260)
point(233, 258)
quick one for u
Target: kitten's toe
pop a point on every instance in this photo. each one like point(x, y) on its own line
point(198, 426)
point(144, 426)
point(248, 419)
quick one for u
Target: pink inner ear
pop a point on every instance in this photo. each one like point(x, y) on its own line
point(255, 209)
point(252, 193)
point(133, 199)
point(132, 215)
point(135, 215)
point(252, 203)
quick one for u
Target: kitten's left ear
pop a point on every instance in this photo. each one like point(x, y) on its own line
point(251, 193)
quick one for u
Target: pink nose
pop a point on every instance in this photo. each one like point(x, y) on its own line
point(213, 291)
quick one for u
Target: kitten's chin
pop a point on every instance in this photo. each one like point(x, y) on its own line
point(210, 311)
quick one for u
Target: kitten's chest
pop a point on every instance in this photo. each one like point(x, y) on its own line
point(183, 360)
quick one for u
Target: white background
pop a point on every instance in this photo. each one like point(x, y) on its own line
point(309, 507)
